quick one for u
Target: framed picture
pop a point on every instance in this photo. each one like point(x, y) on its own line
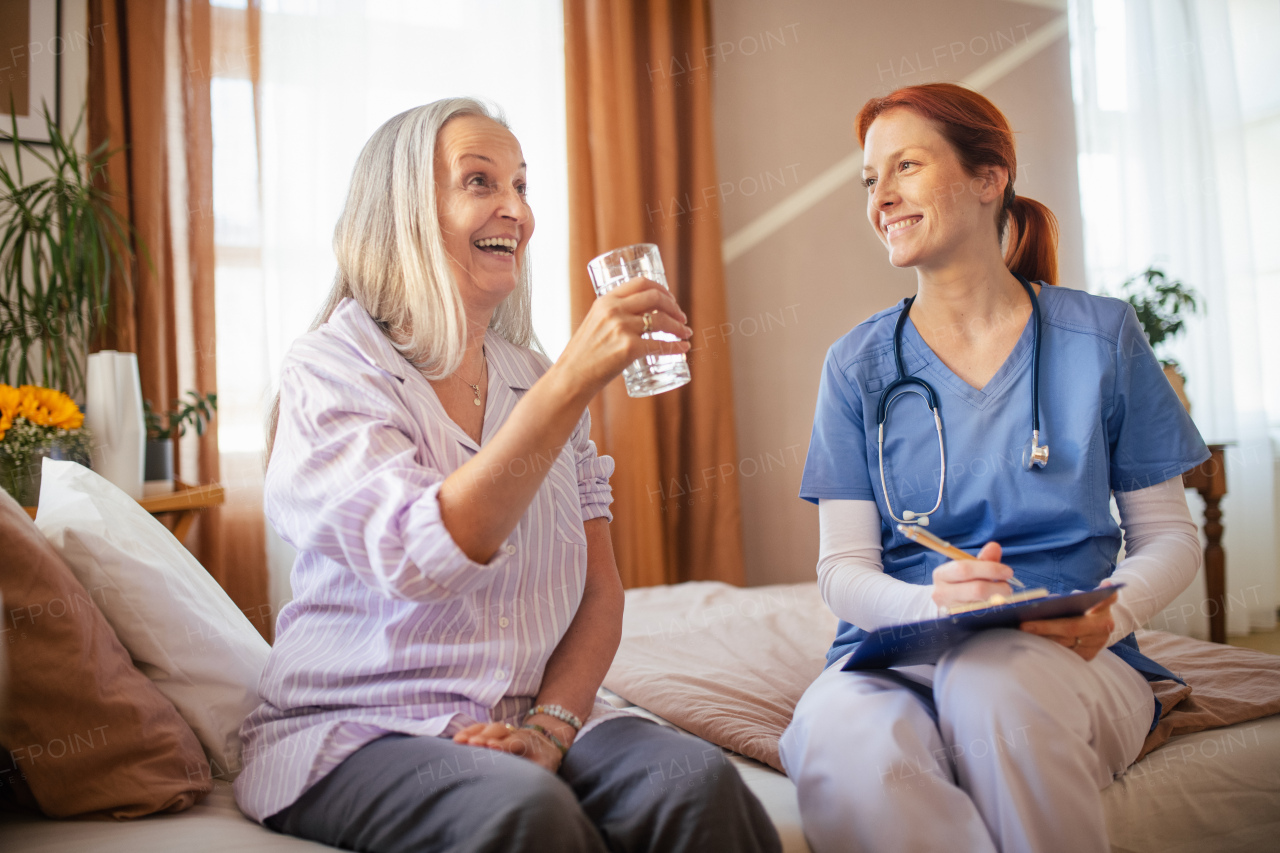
point(30, 45)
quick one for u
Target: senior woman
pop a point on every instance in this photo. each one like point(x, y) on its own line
point(432, 685)
point(1005, 743)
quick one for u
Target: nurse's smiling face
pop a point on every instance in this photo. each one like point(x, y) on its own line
point(484, 216)
point(923, 205)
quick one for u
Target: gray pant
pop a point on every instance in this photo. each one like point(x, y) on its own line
point(628, 785)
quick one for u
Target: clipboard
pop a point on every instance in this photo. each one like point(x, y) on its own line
point(925, 642)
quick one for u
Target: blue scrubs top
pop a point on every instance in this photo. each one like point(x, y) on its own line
point(1107, 413)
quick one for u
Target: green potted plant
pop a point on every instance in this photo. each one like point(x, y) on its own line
point(60, 244)
point(1162, 305)
point(164, 427)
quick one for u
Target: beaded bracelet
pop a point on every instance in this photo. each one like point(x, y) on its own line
point(558, 712)
point(555, 741)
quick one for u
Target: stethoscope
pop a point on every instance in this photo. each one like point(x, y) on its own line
point(1039, 454)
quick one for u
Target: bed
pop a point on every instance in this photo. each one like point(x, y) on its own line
point(1216, 789)
point(728, 664)
point(157, 650)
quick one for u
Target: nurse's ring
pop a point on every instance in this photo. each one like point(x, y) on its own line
point(512, 728)
point(648, 323)
point(1076, 644)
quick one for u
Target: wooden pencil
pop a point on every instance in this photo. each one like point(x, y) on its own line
point(923, 537)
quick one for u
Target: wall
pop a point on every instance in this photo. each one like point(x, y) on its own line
point(788, 79)
point(74, 66)
point(73, 90)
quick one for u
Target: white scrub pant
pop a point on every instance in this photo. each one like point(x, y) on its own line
point(1025, 737)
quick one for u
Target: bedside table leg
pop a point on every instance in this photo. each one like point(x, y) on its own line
point(182, 525)
point(1215, 571)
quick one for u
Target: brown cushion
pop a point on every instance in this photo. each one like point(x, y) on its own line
point(1226, 685)
point(90, 733)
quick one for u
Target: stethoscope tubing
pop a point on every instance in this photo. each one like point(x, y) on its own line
point(888, 396)
point(1035, 355)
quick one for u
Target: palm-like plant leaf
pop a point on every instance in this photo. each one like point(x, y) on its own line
point(1159, 302)
point(61, 242)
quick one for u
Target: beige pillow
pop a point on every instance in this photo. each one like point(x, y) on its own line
point(90, 734)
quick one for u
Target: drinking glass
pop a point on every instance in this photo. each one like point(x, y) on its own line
point(649, 374)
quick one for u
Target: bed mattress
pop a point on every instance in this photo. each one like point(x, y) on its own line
point(214, 824)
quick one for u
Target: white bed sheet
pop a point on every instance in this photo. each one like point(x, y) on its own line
point(213, 825)
point(1209, 792)
point(1216, 791)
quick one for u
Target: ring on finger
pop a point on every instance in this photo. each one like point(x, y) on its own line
point(648, 322)
point(510, 727)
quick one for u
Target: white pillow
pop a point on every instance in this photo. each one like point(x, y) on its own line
point(180, 628)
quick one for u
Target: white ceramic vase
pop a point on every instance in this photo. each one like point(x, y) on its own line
point(113, 412)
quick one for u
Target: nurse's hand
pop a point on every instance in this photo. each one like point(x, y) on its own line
point(967, 581)
point(1085, 635)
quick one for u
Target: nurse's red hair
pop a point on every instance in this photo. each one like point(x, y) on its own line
point(980, 135)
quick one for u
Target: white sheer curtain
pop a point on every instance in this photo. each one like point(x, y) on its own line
point(331, 72)
point(1178, 120)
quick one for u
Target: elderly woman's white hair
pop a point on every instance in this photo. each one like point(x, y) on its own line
point(391, 255)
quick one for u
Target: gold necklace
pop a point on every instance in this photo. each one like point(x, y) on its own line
point(476, 385)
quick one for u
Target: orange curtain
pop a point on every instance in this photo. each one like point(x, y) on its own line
point(642, 170)
point(130, 69)
point(127, 107)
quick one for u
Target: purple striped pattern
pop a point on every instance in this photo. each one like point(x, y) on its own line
point(392, 628)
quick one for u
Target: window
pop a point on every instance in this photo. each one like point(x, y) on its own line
point(330, 73)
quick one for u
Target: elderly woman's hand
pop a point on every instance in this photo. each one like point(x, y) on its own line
point(610, 336)
point(526, 743)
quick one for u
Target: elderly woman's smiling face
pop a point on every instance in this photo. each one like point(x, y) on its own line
point(480, 198)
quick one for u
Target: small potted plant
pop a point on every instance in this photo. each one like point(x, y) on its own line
point(35, 423)
point(164, 427)
point(1162, 305)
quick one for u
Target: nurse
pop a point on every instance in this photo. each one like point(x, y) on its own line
point(1007, 741)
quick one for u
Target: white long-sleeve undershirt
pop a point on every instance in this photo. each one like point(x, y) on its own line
point(1162, 556)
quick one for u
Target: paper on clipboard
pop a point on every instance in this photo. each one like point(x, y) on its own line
point(925, 642)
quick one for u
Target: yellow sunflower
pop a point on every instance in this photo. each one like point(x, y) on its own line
point(9, 400)
point(48, 407)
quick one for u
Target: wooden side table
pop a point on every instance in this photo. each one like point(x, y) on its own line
point(180, 505)
point(1209, 478)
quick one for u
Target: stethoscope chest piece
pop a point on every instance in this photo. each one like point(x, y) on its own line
point(1038, 455)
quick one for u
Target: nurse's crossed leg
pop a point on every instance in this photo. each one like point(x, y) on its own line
point(940, 411)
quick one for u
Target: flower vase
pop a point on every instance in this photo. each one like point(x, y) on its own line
point(22, 479)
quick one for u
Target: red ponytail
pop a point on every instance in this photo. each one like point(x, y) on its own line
point(1032, 248)
point(981, 137)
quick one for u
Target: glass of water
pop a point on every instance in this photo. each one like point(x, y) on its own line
point(649, 374)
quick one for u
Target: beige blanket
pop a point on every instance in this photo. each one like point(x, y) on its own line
point(729, 665)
